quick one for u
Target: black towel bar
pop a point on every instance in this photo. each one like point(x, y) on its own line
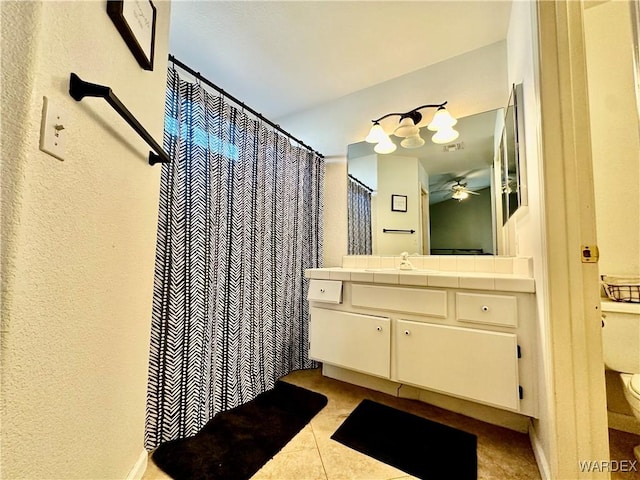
point(390, 230)
point(79, 89)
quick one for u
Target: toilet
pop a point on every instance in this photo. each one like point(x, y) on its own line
point(621, 348)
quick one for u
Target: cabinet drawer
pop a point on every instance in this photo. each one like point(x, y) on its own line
point(350, 340)
point(474, 364)
point(328, 291)
point(410, 300)
point(487, 309)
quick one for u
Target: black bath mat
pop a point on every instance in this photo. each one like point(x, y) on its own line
point(235, 444)
point(415, 445)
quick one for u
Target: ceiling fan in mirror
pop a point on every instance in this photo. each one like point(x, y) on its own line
point(458, 185)
point(461, 192)
point(455, 189)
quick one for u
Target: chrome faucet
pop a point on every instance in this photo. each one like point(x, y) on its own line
point(405, 264)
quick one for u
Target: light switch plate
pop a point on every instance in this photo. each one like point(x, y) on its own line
point(52, 130)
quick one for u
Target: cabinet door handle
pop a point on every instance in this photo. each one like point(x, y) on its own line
point(407, 332)
point(379, 329)
point(485, 308)
point(322, 290)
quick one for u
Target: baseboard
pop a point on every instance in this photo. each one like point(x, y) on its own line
point(625, 423)
point(538, 452)
point(140, 467)
point(485, 413)
point(362, 380)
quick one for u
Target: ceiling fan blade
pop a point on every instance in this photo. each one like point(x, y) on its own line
point(478, 172)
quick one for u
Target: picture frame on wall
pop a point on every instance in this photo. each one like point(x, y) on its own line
point(398, 203)
point(136, 22)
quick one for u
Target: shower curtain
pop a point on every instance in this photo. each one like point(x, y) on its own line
point(359, 218)
point(240, 220)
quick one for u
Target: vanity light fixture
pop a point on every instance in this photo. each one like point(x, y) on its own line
point(408, 129)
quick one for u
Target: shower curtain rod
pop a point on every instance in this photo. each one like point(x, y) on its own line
point(200, 77)
point(360, 183)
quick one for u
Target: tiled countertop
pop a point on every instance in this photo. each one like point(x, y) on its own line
point(507, 282)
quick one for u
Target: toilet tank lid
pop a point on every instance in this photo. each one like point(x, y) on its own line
point(608, 305)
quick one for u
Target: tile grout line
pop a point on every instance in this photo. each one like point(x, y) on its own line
point(326, 476)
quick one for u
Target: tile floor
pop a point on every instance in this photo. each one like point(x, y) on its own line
point(502, 454)
point(621, 448)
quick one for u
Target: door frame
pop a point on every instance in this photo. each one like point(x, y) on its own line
point(577, 395)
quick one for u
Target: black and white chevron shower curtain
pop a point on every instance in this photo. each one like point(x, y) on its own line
point(240, 220)
point(359, 218)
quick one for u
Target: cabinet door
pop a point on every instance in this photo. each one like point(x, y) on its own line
point(475, 364)
point(349, 340)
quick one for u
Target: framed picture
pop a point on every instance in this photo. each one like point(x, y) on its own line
point(398, 203)
point(136, 22)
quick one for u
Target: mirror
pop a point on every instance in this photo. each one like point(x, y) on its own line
point(424, 182)
point(511, 159)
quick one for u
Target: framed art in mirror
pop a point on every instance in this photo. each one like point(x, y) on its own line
point(398, 203)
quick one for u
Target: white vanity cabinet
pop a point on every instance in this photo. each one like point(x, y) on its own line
point(471, 344)
point(475, 364)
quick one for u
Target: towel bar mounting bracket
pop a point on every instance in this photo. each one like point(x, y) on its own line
point(78, 89)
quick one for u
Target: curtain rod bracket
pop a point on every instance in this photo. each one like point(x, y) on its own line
point(78, 89)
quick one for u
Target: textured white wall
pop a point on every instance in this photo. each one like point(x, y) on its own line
point(335, 211)
point(78, 244)
point(614, 137)
point(472, 83)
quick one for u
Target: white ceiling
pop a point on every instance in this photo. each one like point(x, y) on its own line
point(282, 58)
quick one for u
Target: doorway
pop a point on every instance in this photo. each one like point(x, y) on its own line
point(424, 215)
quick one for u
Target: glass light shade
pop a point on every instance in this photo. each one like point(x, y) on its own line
point(445, 135)
point(406, 128)
point(460, 195)
point(414, 141)
point(441, 119)
point(376, 134)
point(385, 146)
